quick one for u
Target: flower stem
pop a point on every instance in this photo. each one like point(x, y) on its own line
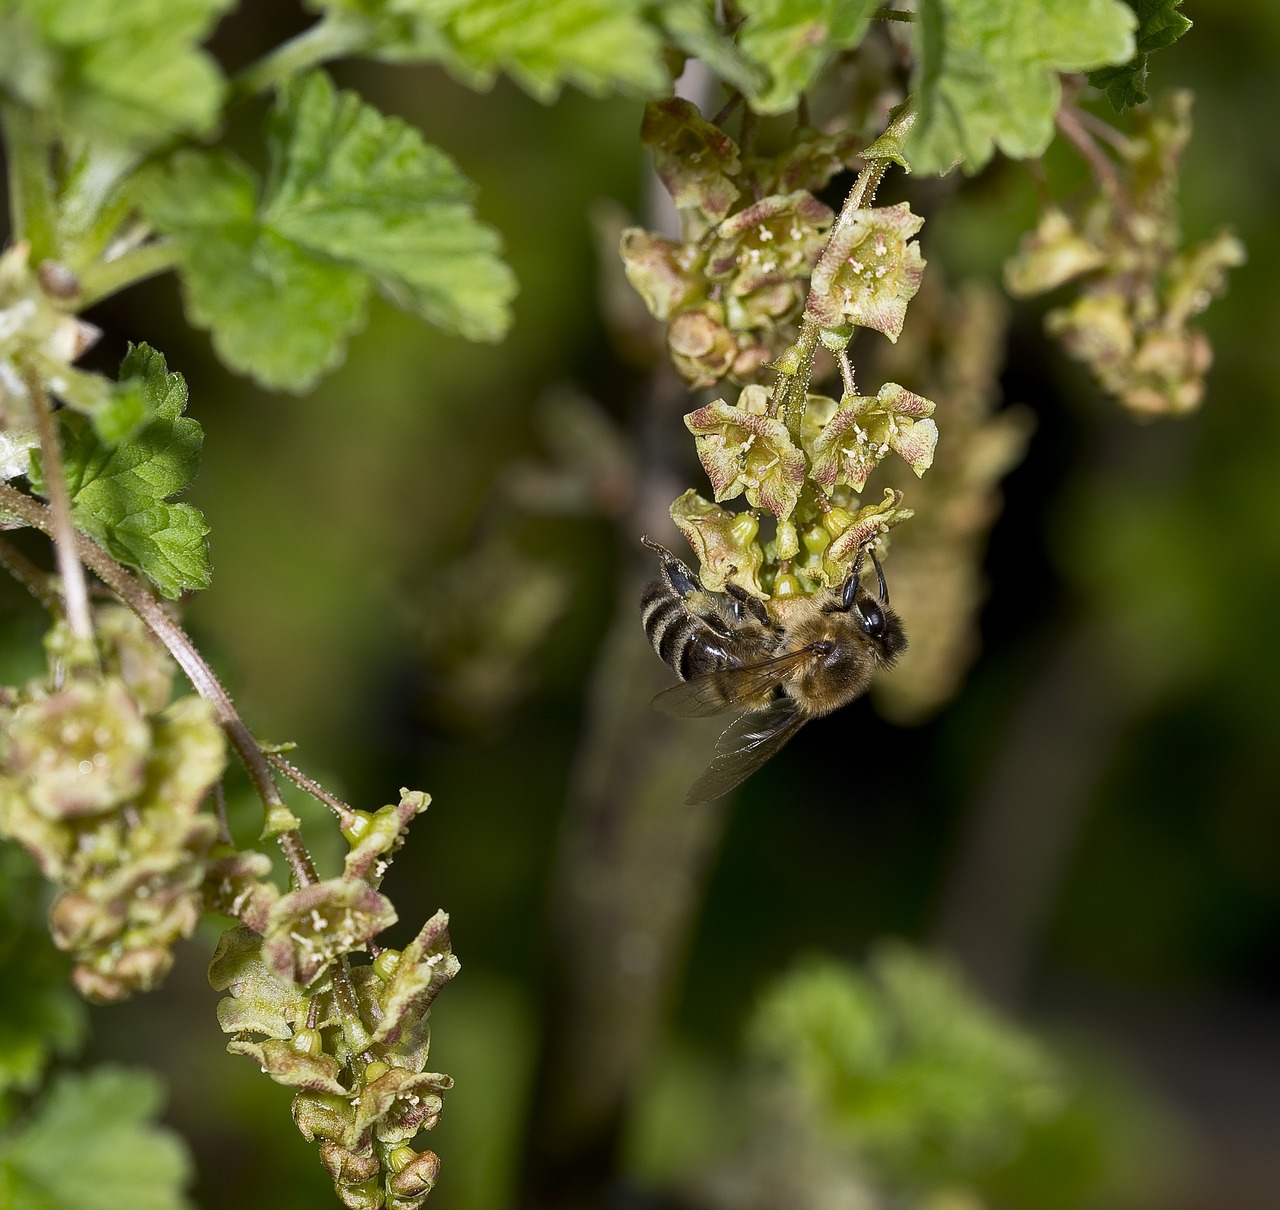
point(103, 278)
point(792, 388)
point(344, 812)
point(1102, 168)
point(75, 591)
point(179, 645)
point(330, 38)
point(31, 207)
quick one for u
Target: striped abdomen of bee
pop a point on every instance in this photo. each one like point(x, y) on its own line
point(698, 633)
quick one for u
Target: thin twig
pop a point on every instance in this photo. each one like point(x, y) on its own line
point(106, 277)
point(75, 591)
point(220, 811)
point(342, 810)
point(31, 208)
point(179, 645)
point(1067, 119)
point(1104, 130)
point(792, 386)
point(330, 38)
point(846, 372)
point(726, 110)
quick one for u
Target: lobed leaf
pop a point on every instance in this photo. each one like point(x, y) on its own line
point(281, 273)
point(793, 41)
point(1159, 25)
point(93, 1144)
point(598, 45)
point(986, 73)
point(120, 493)
point(126, 73)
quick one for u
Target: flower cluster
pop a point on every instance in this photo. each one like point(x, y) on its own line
point(747, 450)
point(729, 288)
point(353, 1040)
point(102, 781)
point(1130, 321)
point(767, 286)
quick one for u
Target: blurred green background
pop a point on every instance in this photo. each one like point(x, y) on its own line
point(1091, 828)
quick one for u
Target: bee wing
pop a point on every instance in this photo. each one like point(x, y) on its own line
point(746, 744)
point(715, 692)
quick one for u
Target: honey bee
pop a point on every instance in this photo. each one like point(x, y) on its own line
point(817, 654)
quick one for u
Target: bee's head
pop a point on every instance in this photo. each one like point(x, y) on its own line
point(878, 626)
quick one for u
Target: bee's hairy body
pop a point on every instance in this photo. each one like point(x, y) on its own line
point(703, 633)
point(805, 658)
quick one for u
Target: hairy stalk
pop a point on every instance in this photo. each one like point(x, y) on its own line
point(344, 813)
point(75, 591)
point(31, 208)
point(330, 38)
point(103, 278)
point(849, 386)
point(795, 366)
point(179, 645)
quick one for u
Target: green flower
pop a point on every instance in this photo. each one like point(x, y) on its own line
point(695, 160)
point(665, 273)
point(724, 543)
point(1048, 256)
point(426, 964)
point(868, 523)
point(80, 751)
point(371, 854)
point(743, 450)
point(762, 254)
point(701, 347)
point(865, 428)
point(290, 1067)
point(311, 928)
point(868, 273)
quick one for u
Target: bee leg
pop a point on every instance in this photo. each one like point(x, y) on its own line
point(884, 588)
point(680, 579)
point(744, 603)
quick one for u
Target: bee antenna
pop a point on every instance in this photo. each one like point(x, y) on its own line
point(851, 582)
point(884, 588)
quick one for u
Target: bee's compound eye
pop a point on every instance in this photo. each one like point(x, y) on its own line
point(872, 618)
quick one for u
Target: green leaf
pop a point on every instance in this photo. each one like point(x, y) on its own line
point(122, 414)
point(281, 273)
point(691, 25)
point(986, 75)
point(794, 39)
point(120, 494)
point(598, 45)
point(93, 1144)
point(1159, 25)
point(275, 311)
point(907, 1067)
point(129, 73)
